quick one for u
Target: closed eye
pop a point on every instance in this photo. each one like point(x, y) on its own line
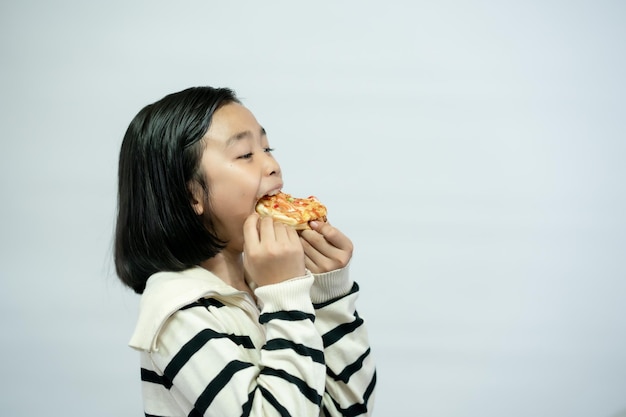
point(250, 154)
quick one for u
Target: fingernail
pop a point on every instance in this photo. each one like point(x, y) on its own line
point(313, 224)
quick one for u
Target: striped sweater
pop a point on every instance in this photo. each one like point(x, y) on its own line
point(207, 349)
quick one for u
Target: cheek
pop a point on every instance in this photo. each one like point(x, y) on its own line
point(234, 186)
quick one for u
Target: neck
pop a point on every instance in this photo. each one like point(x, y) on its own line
point(228, 266)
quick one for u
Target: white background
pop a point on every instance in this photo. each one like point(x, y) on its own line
point(491, 134)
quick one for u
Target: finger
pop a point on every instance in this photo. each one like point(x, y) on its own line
point(292, 234)
point(329, 251)
point(318, 243)
point(314, 261)
point(250, 229)
point(332, 235)
point(266, 229)
point(281, 231)
point(310, 251)
point(311, 266)
point(322, 259)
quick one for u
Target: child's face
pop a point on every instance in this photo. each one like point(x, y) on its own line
point(240, 169)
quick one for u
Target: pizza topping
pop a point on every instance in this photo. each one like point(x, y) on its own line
point(294, 211)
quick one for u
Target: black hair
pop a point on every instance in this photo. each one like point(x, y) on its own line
point(157, 228)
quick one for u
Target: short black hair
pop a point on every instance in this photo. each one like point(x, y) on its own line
point(157, 228)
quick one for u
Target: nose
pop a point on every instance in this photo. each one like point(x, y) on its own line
point(272, 167)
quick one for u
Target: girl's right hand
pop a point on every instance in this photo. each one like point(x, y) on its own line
point(272, 251)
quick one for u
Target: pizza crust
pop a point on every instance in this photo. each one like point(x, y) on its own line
point(264, 211)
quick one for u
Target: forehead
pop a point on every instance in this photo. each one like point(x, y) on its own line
point(231, 120)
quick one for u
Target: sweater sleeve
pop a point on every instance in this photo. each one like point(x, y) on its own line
point(215, 360)
point(351, 372)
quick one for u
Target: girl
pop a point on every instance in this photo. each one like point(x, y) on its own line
point(239, 316)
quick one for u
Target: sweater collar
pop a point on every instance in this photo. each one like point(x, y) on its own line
point(166, 293)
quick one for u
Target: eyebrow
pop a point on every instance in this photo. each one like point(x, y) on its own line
point(246, 134)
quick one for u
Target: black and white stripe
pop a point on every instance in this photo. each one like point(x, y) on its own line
point(228, 377)
point(222, 356)
point(351, 373)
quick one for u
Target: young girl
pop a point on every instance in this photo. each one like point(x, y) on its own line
point(239, 316)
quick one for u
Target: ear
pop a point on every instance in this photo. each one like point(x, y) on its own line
point(196, 197)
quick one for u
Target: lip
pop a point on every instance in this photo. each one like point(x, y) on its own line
point(273, 191)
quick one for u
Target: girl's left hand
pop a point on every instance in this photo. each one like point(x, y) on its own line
point(325, 248)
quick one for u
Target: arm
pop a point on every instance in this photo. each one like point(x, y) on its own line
point(351, 373)
point(215, 360)
point(224, 358)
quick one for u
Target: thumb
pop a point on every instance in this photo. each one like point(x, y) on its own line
point(331, 234)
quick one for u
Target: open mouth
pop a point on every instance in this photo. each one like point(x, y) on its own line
point(271, 192)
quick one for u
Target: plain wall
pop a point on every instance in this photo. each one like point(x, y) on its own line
point(472, 150)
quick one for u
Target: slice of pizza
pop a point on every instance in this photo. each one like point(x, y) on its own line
point(296, 212)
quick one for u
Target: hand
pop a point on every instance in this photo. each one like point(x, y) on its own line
point(272, 251)
point(325, 248)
